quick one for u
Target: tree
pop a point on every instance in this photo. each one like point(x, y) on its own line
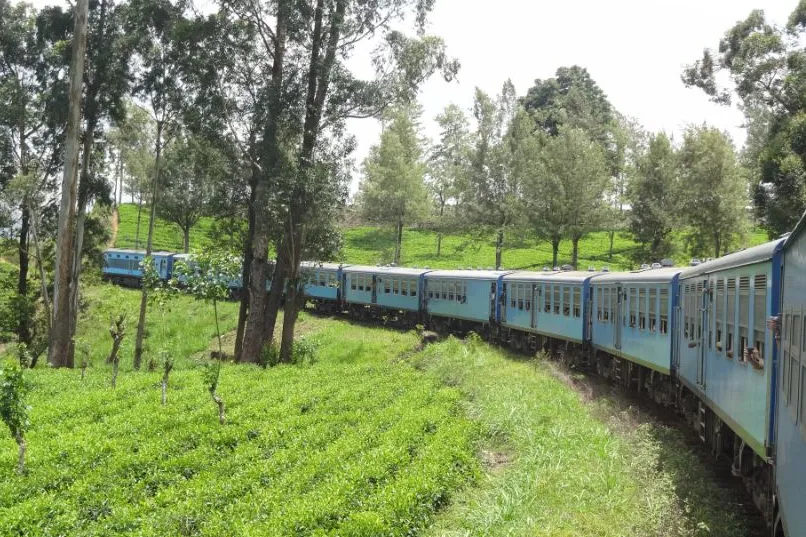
point(712, 189)
point(448, 163)
point(767, 65)
point(190, 168)
point(491, 197)
point(577, 178)
point(60, 352)
point(653, 197)
point(393, 190)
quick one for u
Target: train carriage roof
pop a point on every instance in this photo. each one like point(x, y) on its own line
point(568, 276)
point(132, 251)
point(395, 271)
point(468, 274)
point(657, 275)
point(307, 265)
point(750, 256)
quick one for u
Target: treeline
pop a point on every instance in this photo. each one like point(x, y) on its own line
point(556, 164)
point(238, 113)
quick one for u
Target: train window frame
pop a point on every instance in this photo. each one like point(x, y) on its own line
point(547, 296)
point(653, 309)
point(576, 294)
point(744, 319)
point(530, 293)
point(566, 301)
point(599, 304)
point(633, 306)
point(663, 311)
point(730, 317)
point(720, 299)
point(404, 287)
point(387, 286)
point(451, 290)
point(512, 290)
point(521, 296)
point(642, 309)
point(557, 297)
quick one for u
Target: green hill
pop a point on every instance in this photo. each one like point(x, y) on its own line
point(373, 245)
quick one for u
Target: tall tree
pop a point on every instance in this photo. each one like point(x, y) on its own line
point(653, 197)
point(393, 190)
point(767, 65)
point(448, 163)
point(491, 197)
point(191, 166)
point(712, 189)
point(577, 177)
point(60, 352)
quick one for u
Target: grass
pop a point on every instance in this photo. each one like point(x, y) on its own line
point(372, 245)
point(374, 437)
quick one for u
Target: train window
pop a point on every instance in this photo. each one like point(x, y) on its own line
point(730, 317)
point(556, 299)
point(430, 289)
point(744, 317)
point(322, 279)
point(633, 305)
point(719, 298)
point(512, 288)
point(577, 302)
point(598, 297)
point(404, 287)
point(413, 284)
point(521, 296)
point(387, 286)
point(530, 291)
point(444, 286)
point(451, 290)
point(642, 308)
point(566, 301)
point(547, 298)
point(352, 282)
point(609, 295)
point(664, 311)
point(653, 309)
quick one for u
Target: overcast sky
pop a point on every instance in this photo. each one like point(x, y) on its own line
point(634, 49)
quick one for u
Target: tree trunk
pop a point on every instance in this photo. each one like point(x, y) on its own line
point(22, 448)
point(294, 298)
point(186, 239)
point(24, 326)
point(254, 333)
point(499, 248)
point(78, 247)
point(717, 244)
point(610, 251)
point(141, 324)
point(439, 233)
point(574, 251)
point(439, 243)
point(247, 261)
point(555, 250)
point(43, 281)
point(275, 297)
point(398, 242)
point(59, 354)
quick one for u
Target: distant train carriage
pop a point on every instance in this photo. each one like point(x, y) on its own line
point(543, 307)
point(632, 327)
point(389, 291)
point(725, 357)
point(790, 399)
point(463, 299)
point(323, 285)
point(122, 266)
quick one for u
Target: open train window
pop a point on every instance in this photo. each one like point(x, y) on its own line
point(599, 304)
point(387, 286)
point(547, 298)
point(530, 291)
point(413, 287)
point(352, 282)
point(566, 301)
point(556, 299)
point(577, 302)
point(744, 317)
point(642, 309)
point(730, 318)
point(404, 287)
point(633, 293)
point(653, 309)
point(719, 316)
point(451, 289)
point(521, 296)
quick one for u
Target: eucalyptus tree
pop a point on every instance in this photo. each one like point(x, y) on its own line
point(712, 189)
point(767, 65)
point(393, 190)
point(491, 197)
point(448, 163)
point(653, 199)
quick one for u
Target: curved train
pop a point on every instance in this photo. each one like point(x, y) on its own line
point(720, 342)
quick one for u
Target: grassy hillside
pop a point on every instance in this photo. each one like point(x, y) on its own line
point(372, 245)
point(374, 437)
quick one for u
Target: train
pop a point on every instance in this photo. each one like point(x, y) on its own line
point(722, 342)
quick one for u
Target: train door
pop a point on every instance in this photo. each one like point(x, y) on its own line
point(492, 302)
point(504, 292)
point(374, 289)
point(704, 304)
point(535, 305)
point(621, 309)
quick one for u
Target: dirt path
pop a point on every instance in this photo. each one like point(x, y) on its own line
point(115, 222)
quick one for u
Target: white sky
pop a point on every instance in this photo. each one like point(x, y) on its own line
point(634, 49)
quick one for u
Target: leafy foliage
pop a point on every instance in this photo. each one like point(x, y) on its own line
point(13, 406)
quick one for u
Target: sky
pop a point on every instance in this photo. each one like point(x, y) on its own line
point(634, 49)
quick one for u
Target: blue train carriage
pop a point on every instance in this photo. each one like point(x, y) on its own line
point(547, 310)
point(632, 329)
point(726, 361)
point(392, 293)
point(122, 266)
point(322, 285)
point(790, 393)
point(464, 300)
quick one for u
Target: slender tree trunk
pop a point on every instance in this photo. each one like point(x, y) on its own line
point(247, 261)
point(43, 282)
point(555, 251)
point(398, 241)
point(137, 233)
point(22, 448)
point(275, 297)
point(218, 331)
point(24, 327)
point(610, 251)
point(439, 233)
point(293, 301)
point(499, 248)
point(141, 323)
point(574, 251)
point(717, 244)
point(120, 178)
point(60, 342)
point(186, 239)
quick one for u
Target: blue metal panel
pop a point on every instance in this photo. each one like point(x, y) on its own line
point(398, 292)
point(790, 422)
point(321, 282)
point(476, 307)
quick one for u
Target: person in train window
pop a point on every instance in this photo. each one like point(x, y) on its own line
point(752, 355)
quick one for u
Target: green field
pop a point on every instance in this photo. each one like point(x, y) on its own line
point(372, 245)
point(375, 436)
